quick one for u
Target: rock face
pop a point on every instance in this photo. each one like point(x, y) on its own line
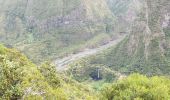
point(42, 16)
point(34, 25)
point(42, 28)
point(146, 49)
point(149, 40)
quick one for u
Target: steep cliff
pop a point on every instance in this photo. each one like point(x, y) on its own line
point(146, 49)
point(43, 28)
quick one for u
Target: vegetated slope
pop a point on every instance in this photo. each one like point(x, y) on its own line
point(146, 49)
point(76, 67)
point(54, 28)
point(21, 79)
point(118, 6)
point(138, 87)
point(49, 29)
point(89, 69)
point(126, 12)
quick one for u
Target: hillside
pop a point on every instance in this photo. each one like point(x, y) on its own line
point(21, 79)
point(137, 87)
point(52, 29)
point(85, 50)
point(146, 49)
point(44, 28)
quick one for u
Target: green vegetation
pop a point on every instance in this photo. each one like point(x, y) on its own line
point(42, 29)
point(21, 79)
point(119, 6)
point(138, 87)
point(46, 30)
point(49, 29)
point(82, 71)
point(146, 50)
point(128, 59)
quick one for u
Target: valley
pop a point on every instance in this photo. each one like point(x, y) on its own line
point(85, 50)
point(63, 63)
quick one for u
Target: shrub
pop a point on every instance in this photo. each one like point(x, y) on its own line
point(138, 87)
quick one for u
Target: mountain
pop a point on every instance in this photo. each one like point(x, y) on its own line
point(146, 49)
point(99, 47)
point(45, 30)
point(42, 29)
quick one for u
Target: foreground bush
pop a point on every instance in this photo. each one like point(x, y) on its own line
point(20, 79)
point(138, 87)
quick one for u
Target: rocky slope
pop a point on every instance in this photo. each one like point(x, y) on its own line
point(146, 49)
point(44, 28)
point(54, 28)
